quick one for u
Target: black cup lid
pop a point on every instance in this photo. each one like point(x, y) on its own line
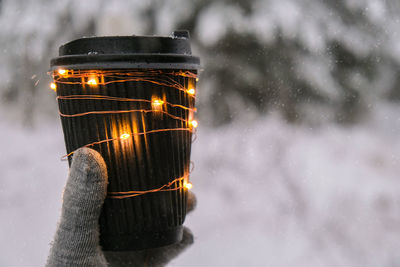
point(122, 52)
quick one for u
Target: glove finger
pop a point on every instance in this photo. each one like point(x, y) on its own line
point(77, 237)
point(85, 190)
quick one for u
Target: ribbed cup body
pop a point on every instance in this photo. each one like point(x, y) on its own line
point(146, 160)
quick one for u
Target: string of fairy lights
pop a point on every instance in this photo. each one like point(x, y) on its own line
point(94, 78)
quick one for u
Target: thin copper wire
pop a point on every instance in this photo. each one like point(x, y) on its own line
point(152, 72)
point(121, 76)
point(113, 98)
point(132, 134)
point(138, 79)
point(158, 77)
point(166, 187)
point(185, 74)
point(120, 112)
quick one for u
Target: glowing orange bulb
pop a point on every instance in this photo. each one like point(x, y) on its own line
point(53, 86)
point(157, 104)
point(125, 136)
point(194, 123)
point(191, 91)
point(188, 185)
point(62, 71)
point(92, 81)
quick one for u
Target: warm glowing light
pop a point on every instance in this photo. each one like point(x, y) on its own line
point(125, 136)
point(197, 79)
point(62, 71)
point(92, 81)
point(157, 104)
point(191, 91)
point(194, 123)
point(53, 86)
point(188, 185)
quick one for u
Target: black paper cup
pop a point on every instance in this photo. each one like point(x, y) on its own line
point(129, 99)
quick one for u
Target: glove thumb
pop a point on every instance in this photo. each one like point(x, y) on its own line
point(76, 242)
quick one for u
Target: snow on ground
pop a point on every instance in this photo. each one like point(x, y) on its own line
point(269, 194)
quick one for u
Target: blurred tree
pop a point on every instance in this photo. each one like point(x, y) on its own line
point(28, 40)
point(310, 60)
point(294, 56)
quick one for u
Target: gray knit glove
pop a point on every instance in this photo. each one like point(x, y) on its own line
point(76, 242)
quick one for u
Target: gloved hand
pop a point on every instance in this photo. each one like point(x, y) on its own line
point(76, 242)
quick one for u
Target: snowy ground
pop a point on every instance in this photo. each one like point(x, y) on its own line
point(269, 194)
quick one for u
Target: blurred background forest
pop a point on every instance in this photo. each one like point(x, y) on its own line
point(297, 156)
